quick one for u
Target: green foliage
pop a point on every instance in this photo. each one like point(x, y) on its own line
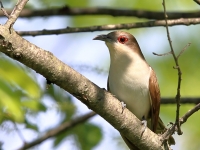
point(86, 135)
point(63, 101)
point(62, 3)
point(29, 125)
point(20, 96)
point(18, 91)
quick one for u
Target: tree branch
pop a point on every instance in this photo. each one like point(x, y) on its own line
point(187, 22)
point(97, 99)
point(189, 113)
point(178, 95)
point(3, 10)
point(67, 11)
point(68, 125)
point(184, 100)
point(15, 12)
point(197, 1)
point(60, 129)
point(182, 120)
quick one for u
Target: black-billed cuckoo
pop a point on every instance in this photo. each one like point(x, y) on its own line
point(133, 81)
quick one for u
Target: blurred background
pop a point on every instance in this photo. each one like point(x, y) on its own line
point(28, 110)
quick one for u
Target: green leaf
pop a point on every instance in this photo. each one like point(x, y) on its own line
point(19, 77)
point(33, 105)
point(10, 103)
point(63, 101)
point(86, 136)
point(18, 90)
point(30, 125)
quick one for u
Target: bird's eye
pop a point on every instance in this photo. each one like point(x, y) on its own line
point(122, 39)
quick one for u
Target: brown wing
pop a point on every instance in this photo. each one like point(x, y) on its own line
point(155, 100)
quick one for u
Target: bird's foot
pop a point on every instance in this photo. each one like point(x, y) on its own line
point(144, 122)
point(123, 106)
point(170, 124)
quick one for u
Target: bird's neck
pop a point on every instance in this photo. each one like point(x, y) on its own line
point(123, 56)
point(124, 61)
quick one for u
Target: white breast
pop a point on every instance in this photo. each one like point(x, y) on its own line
point(129, 82)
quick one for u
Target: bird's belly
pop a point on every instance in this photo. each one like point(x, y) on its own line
point(138, 103)
point(134, 92)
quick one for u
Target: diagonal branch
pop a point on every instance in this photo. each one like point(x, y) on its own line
point(164, 54)
point(182, 120)
point(139, 13)
point(97, 99)
point(3, 10)
point(173, 22)
point(68, 125)
point(197, 1)
point(62, 128)
point(183, 50)
point(189, 113)
point(15, 12)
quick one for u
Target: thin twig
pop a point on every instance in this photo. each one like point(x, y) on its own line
point(189, 113)
point(183, 50)
point(15, 13)
point(197, 1)
point(3, 10)
point(178, 95)
point(19, 133)
point(62, 128)
point(184, 100)
point(94, 11)
point(173, 22)
point(183, 119)
point(164, 54)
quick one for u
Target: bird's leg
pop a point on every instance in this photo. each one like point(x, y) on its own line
point(123, 106)
point(144, 122)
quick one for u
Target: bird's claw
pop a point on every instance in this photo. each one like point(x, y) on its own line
point(123, 106)
point(144, 122)
point(170, 123)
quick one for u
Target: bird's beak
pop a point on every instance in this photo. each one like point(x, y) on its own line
point(102, 37)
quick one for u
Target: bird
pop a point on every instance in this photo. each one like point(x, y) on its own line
point(133, 81)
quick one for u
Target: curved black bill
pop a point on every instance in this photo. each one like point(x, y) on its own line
point(102, 37)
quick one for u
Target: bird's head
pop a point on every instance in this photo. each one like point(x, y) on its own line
point(120, 42)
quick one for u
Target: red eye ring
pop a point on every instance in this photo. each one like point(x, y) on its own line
point(122, 39)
